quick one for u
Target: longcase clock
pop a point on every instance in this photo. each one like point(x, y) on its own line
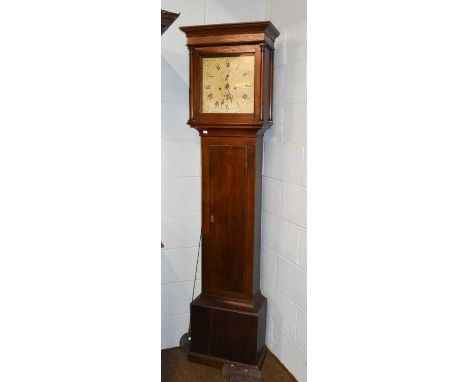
point(231, 89)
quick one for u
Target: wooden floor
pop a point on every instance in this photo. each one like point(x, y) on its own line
point(176, 368)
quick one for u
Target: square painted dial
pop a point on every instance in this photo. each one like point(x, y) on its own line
point(228, 84)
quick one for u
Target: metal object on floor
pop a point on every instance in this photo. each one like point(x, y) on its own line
point(241, 373)
point(184, 342)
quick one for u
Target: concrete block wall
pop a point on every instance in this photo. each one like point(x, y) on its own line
point(284, 253)
point(180, 158)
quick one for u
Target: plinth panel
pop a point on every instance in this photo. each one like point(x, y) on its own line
point(227, 334)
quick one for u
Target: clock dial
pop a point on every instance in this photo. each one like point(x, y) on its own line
point(228, 84)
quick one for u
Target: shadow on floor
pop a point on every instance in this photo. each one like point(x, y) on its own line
point(176, 368)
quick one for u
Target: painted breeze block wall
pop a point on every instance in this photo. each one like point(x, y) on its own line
point(284, 254)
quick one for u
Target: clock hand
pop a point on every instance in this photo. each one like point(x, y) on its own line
point(227, 92)
point(229, 95)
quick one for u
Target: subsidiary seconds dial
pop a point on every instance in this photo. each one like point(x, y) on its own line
point(228, 84)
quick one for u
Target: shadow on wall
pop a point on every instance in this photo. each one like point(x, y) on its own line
point(174, 81)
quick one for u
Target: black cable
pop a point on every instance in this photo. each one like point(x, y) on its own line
point(196, 266)
point(184, 342)
point(195, 277)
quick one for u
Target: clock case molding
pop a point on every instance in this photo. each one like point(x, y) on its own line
point(228, 318)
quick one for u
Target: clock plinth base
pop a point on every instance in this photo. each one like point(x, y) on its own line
point(220, 362)
point(223, 333)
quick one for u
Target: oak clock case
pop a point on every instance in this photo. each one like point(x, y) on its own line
point(231, 88)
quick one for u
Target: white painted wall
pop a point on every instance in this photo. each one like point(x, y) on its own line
point(181, 203)
point(283, 262)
